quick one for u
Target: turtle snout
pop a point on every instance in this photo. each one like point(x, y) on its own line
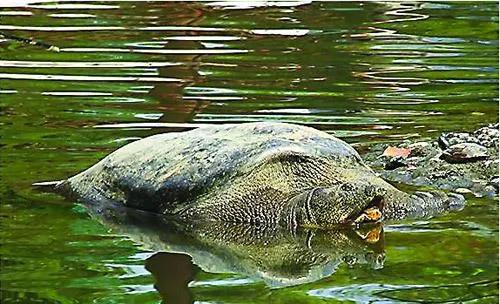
point(443, 201)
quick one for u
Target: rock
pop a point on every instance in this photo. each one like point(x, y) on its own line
point(420, 148)
point(396, 152)
point(464, 152)
point(449, 139)
point(395, 162)
point(463, 191)
point(490, 190)
point(485, 136)
point(488, 136)
point(425, 165)
point(495, 182)
point(443, 141)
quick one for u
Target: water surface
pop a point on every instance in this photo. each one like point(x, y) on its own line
point(119, 71)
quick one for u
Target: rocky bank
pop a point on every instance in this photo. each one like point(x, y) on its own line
point(459, 162)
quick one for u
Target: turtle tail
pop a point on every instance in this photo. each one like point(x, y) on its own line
point(60, 186)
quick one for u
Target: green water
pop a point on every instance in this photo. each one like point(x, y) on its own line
point(365, 72)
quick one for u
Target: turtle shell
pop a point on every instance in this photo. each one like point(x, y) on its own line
point(168, 171)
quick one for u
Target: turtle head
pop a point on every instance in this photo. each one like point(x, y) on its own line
point(361, 201)
point(341, 204)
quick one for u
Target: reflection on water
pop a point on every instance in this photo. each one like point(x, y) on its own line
point(276, 256)
point(172, 273)
point(194, 62)
point(102, 74)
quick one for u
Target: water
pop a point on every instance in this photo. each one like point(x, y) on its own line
point(366, 72)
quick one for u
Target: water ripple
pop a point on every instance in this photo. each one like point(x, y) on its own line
point(72, 16)
point(61, 28)
point(73, 6)
point(155, 51)
point(83, 64)
point(15, 13)
point(404, 12)
point(86, 78)
point(77, 93)
point(149, 125)
point(256, 4)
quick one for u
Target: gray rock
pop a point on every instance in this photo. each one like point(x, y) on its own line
point(463, 191)
point(495, 182)
point(485, 136)
point(420, 148)
point(465, 152)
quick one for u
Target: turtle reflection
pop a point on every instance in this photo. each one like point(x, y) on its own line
point(276, 256)
point(172, 273)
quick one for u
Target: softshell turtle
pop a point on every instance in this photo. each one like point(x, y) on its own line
point(260, 173)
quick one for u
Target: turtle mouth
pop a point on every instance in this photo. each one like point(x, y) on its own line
point(372, 212)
